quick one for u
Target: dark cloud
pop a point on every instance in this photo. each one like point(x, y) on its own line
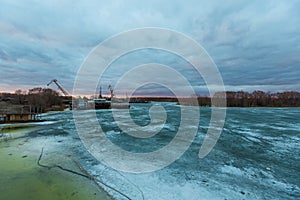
point(254, 43)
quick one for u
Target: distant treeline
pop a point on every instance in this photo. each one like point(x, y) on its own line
point(40, 99)
point(237, 99)
point(263, 99)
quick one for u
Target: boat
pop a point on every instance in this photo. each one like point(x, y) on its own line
point(101, 103)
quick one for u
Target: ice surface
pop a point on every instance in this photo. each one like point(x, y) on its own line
point(256, 157)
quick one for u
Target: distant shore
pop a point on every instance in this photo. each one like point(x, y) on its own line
point(42, 100)
point(235, 99)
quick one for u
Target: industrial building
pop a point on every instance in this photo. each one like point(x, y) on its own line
point(10, 113)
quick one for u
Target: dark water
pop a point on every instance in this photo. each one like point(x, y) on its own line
point(256, 157)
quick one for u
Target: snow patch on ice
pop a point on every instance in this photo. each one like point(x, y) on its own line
point(231, 170)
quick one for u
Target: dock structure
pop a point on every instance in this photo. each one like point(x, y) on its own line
point(10, 113)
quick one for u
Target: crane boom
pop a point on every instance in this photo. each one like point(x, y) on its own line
point(100, 92)
point(59, 87)
point(111, 91)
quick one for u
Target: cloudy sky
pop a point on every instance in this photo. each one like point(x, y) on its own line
point(254, 44)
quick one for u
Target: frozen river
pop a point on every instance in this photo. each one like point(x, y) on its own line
point(256, 157)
